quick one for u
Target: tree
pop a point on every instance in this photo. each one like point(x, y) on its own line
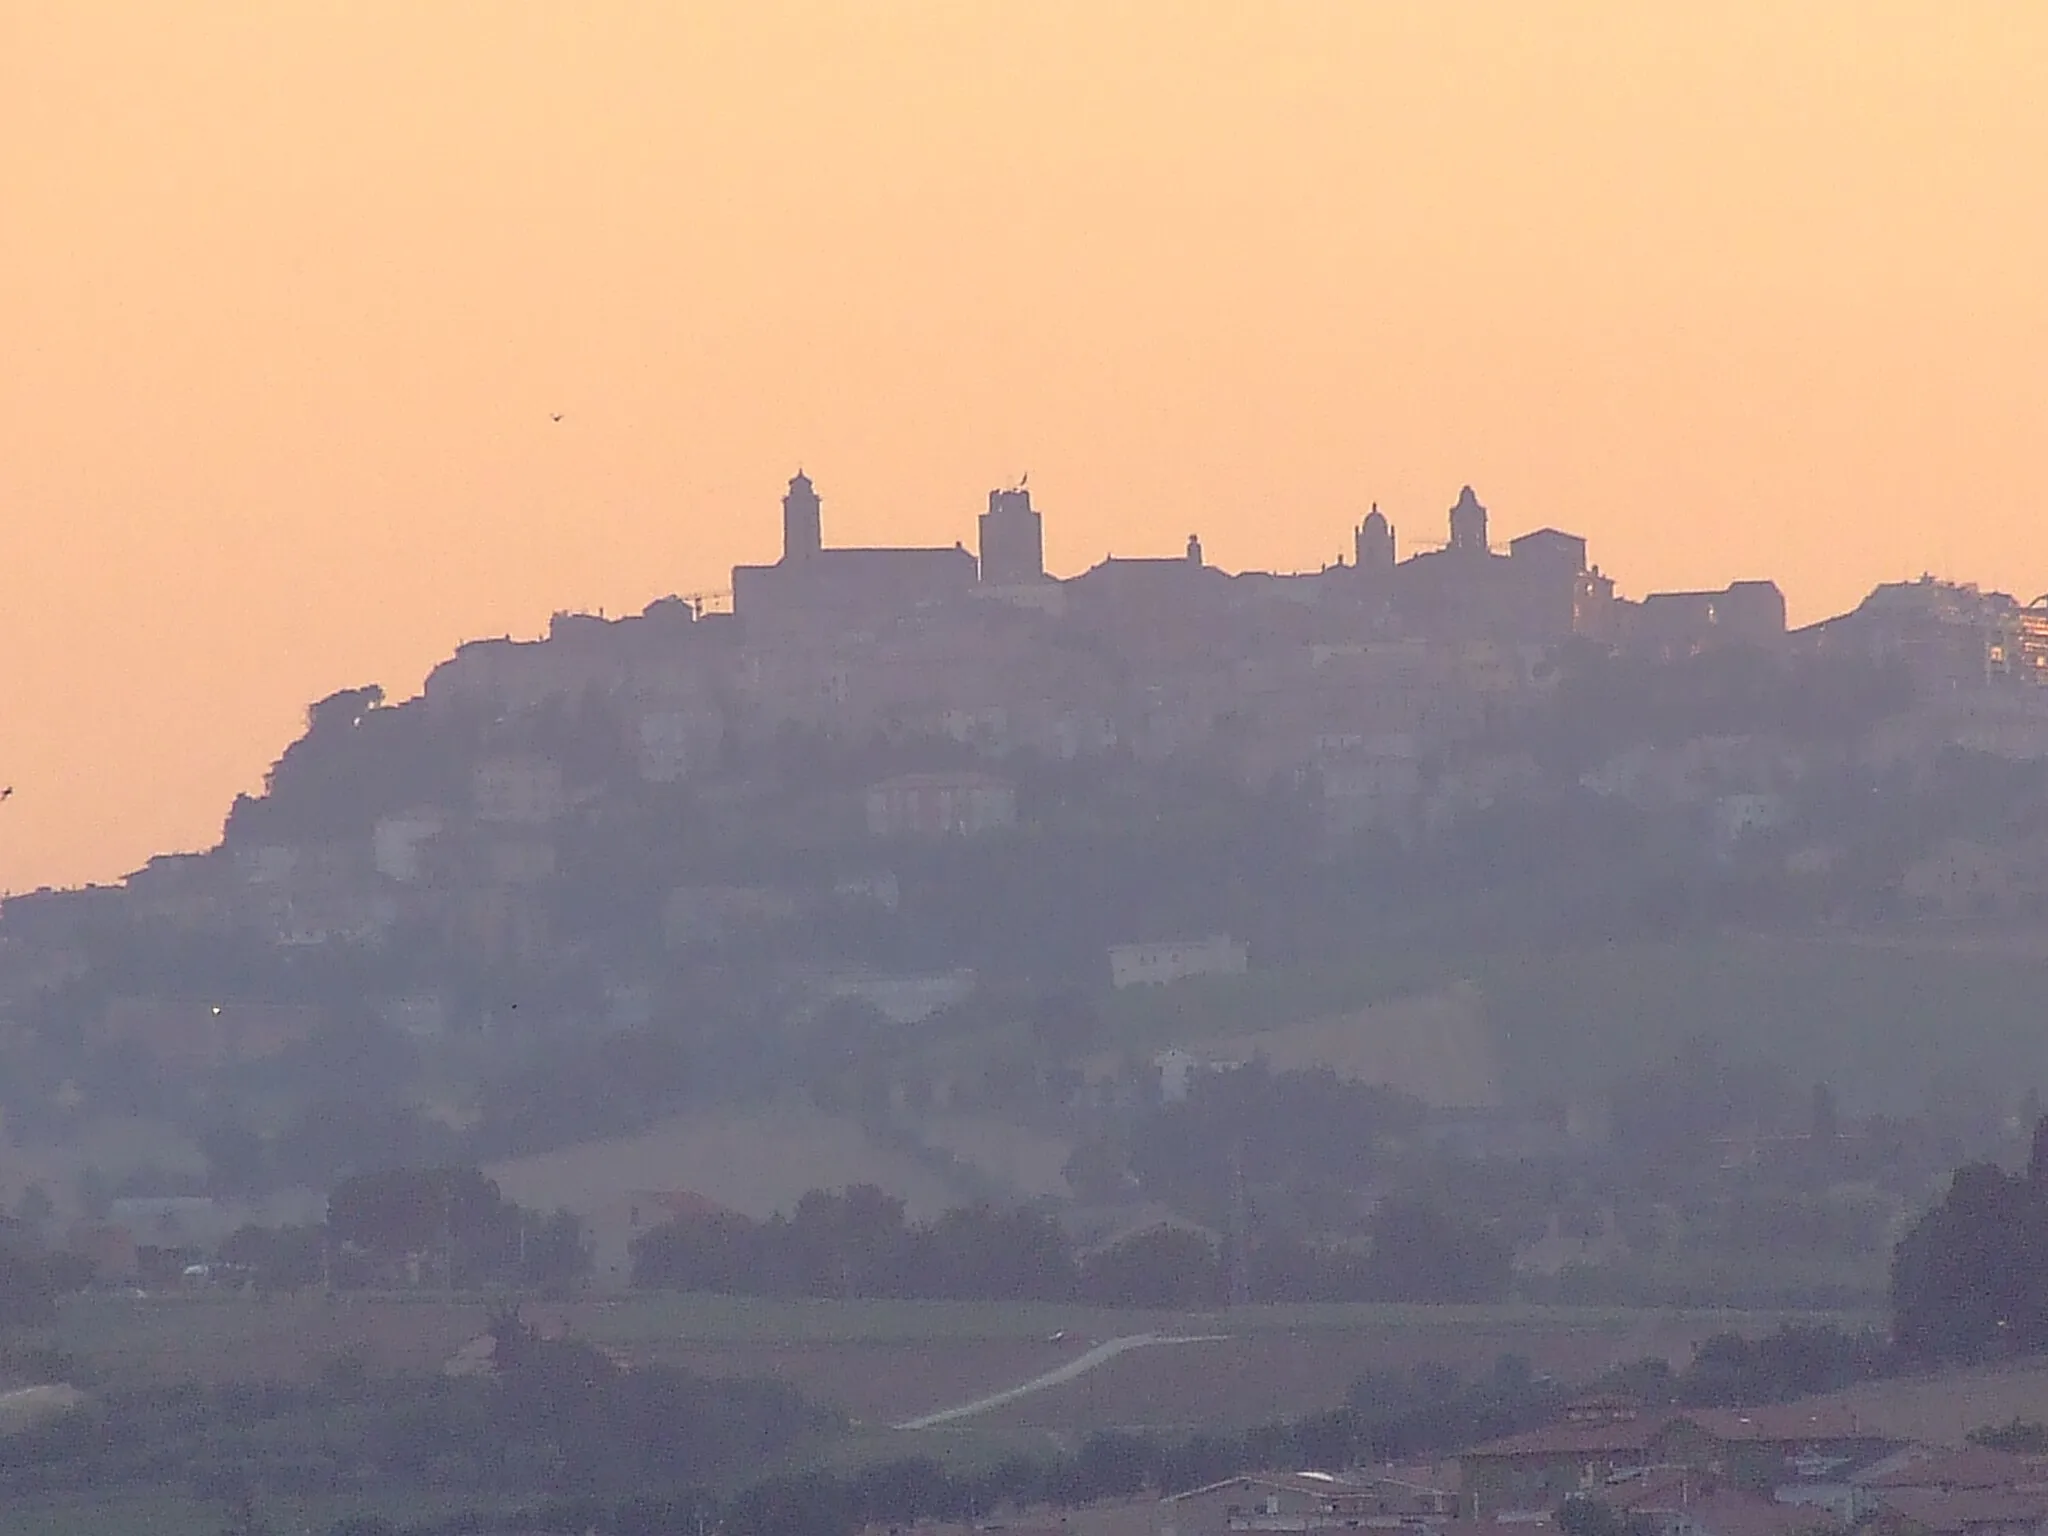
point(28, 1291)
point(277, 1258)
point(455, 1213)
point(1167, 1267)
point(1827, 1118)
point(95, 1193)
point(1971, 1275)
point(1098, 1171)
point(1421, 1254)
point(35, 1207)
point(235, 1159)
point(556, 1253)
point(1582, 1515)
point(1065, 1022)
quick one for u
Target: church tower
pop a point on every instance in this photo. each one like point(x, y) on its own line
point(803, 529)
point(1372, 544)
point(1468, 525)
point(1012, 540)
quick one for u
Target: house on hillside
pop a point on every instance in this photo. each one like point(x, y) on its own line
point(518, 791)
point(1961, 1512)
point(1180, 1070)
point(901, 997)
point(941, 805)
point(1141, 965)
point(1678, 1501)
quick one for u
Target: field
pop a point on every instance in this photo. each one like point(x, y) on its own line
point(883, 1362)
point(758, 1162)
point(1890, 1021)
point(1884, 1018)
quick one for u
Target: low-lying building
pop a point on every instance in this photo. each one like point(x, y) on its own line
point(1139, 965)
point(1601, 1439)
point(941, 805)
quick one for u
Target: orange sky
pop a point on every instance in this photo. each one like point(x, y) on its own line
point(289, 288)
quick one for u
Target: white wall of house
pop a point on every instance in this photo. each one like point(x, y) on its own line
point(1139, 965)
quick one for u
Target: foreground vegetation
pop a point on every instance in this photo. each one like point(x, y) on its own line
point(559, 1442)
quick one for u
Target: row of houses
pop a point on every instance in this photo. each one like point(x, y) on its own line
point(1786, 1470)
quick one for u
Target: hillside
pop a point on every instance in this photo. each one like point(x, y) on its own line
point(1882, 1016)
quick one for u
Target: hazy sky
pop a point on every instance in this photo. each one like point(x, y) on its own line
point(290, 288)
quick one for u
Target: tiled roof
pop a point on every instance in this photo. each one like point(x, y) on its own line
point(1971, 1467)
point(1791, 1422)
point(1596, 1438)
point(1731, 1512)
point(1534, 1524)
point(1653, 1489)
point(1966, 1509)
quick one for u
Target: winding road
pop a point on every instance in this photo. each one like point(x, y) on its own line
point(1077, 1367)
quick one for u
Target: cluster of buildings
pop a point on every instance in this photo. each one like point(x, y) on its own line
point(1788, 1470)
point(1364, 683)
point(1952, 637)
point(1352, 673)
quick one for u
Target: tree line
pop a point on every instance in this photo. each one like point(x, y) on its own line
point(1387, 1416)
point(410, 1226)
point(1408, 1413)
point(1970, 1279)
point(558, 1419)
point(858, 1243)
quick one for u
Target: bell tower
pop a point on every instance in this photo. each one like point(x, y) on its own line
point(803, 530)
point(1468, 525)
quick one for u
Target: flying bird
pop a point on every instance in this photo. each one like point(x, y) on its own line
point(555, 416)
point(7, 793)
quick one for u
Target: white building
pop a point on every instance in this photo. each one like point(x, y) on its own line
point(904, 999)
point(1178, 1071)
point(940, 804)
point(1138, 965)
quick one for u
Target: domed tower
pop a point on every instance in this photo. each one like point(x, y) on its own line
point(1468, 525)
point(1372, 542)
point(803, 528)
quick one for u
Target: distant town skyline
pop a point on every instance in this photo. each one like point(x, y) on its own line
point(340, 337)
